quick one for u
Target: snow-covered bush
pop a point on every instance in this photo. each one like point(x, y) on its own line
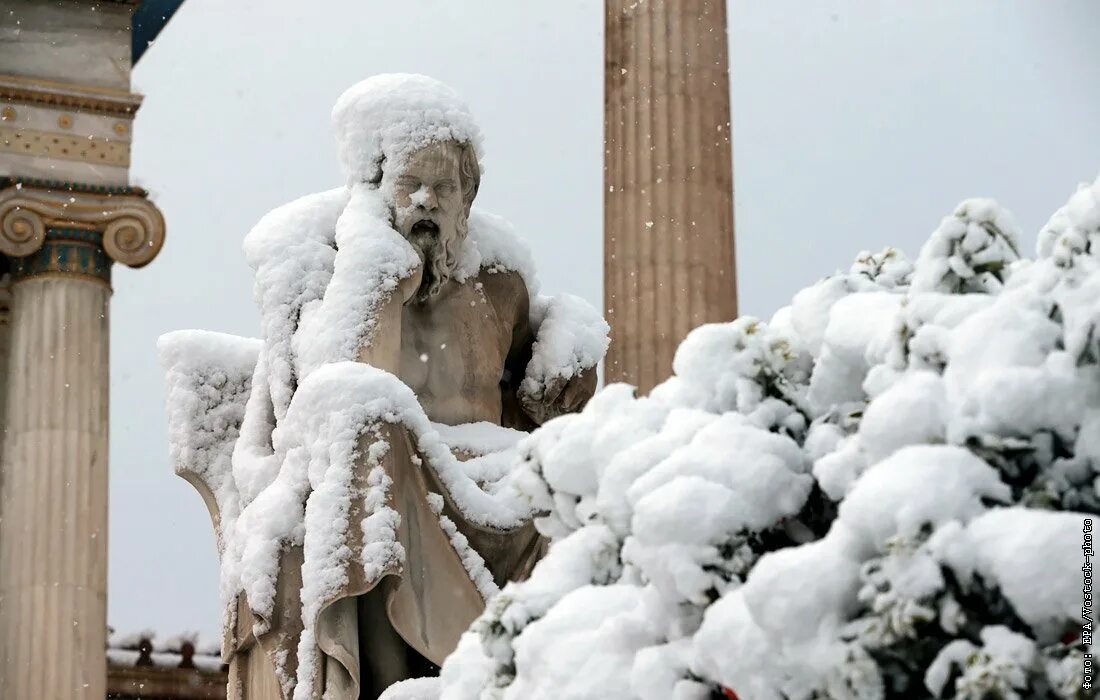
point(881, 493)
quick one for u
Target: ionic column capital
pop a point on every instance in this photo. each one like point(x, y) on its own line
point(131, 227)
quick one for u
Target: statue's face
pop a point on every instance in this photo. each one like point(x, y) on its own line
point(429, 210)
point(427, 196)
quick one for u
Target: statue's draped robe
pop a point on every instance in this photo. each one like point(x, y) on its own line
point(429, 601)
point(426, 601)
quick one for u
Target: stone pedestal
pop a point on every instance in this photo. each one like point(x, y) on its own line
point(53, 501)
point(668, 196)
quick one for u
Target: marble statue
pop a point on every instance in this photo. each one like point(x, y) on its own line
point(355, 459)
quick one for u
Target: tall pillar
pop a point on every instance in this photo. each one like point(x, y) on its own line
point(67, 213)
point(5, 352)
point(668, 181)
point(61, 243)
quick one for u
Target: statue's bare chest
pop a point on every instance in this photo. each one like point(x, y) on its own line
point(453, 353)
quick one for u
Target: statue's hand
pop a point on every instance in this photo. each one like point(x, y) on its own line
point(407, 287)
point(560, 396)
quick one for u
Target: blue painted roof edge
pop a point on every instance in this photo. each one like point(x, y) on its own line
point(149, 18)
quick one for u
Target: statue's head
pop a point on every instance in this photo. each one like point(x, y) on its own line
point(414, 139)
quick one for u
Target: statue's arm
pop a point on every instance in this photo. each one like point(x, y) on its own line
point(519, 354)
point(559, 396)
point(383, 348)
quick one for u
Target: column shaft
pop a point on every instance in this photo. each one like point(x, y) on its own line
point(5, 352)
point(53, 553)
point(668, 176)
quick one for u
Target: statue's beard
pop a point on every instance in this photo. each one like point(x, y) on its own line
point(436, 240)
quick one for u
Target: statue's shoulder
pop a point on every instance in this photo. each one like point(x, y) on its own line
point(308, 221)
point(505, 288)
point(494, 248)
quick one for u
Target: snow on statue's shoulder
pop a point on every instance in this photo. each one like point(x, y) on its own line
point(494, 246)
point(308, 218)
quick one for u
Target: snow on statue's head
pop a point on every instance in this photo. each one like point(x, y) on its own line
point(414, 139)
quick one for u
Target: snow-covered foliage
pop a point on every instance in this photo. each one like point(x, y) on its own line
point(879, 494)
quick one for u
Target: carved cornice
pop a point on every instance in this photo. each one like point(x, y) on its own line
point(131, 227)
point(85, 98)
point(18, 181)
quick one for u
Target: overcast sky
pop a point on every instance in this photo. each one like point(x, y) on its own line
point(857, 125)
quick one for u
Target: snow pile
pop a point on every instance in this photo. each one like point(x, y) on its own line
point(881, 493)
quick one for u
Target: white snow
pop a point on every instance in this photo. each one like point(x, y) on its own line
point(478, 438)
point(382, 120)
point(1009, 545)
point(413, 689)
point(372, 259)
point(918, 485)
point(209, 379)
point(572, 337)
point(584, 647)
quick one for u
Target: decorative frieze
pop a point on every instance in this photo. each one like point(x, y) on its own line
point(59, 130)
point(48, 144)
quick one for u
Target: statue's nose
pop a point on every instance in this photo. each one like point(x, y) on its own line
point(429, 200)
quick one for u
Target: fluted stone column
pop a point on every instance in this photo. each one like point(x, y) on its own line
point(5, 353)
point(668, 196)
point(53, 500)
